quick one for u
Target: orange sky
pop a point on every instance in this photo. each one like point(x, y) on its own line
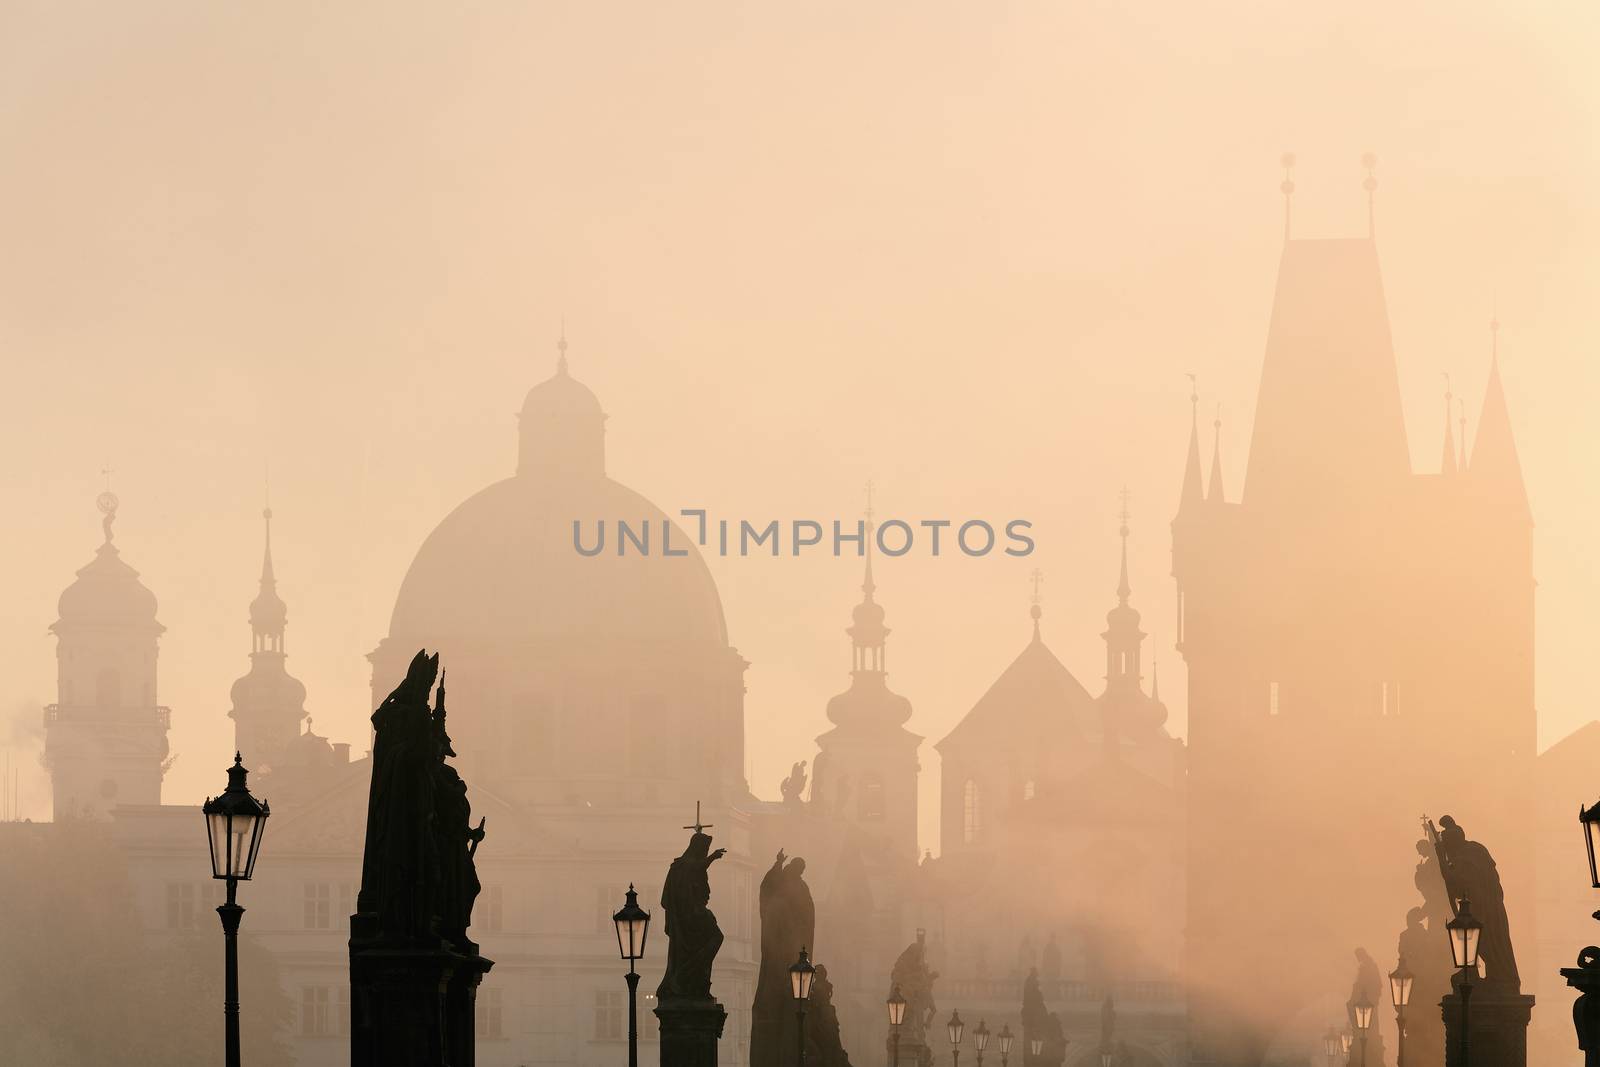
point(968, 251)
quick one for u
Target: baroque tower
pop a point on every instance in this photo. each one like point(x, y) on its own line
point(1359, 642)
point(268, 703)
point(105, 737)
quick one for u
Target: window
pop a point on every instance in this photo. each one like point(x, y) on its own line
point(491, 1013)
point(314, 1011)
point(181, 909)
point(490, 908)
point(318, 910)
point(869, 805)
point(971, 812)
point(1390, 701)
point(607, 1015)
point(1028, 789)
point(1272, 698)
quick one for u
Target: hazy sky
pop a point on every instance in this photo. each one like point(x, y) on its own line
point(966, 250)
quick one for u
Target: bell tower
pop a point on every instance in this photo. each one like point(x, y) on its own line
point(106, 737)
point(268, 703)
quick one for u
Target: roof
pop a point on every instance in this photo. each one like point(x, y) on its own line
point(1036, 689)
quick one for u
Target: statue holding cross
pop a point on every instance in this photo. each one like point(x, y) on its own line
point(693, 936)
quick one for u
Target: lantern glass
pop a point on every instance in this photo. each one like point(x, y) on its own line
point(801, 974)
point(1105, 1059)
point(1330, 1043)
point(235, 821)
point(897, 1007)
point(1400, 980)
point(1036, 1046)
point(633, 927)
point(1005, 1040)
point(955, 1028)
point(1344, 1041)
point(1363, 1014)
point(1465, 933)
point(980, 1036)
point(1590, 818)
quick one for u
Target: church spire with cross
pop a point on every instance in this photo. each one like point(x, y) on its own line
point(867, 631)
point(1122, 636)
point(268, 703)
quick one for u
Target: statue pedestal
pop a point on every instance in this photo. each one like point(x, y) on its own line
point(1499, 1027)
point(1585, 978)
point(912, 1054)
point(690, 1029)
point(412, 1007)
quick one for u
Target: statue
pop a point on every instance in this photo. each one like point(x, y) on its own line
point(1041, 1023)
point(693, 936)
point(1470, 874)
point(1426, 953)
point(795, 784)
point(824, 1047)
point(788, 924)
point(413, 971)
point(1367, 984)
point(912, 976)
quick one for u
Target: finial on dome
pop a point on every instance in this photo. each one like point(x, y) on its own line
point(561, 349)
point(1287, 188)
point(1034, 610)
point(107, 503)
point(1123, 588)
point(1370, 162)
point(867, 585)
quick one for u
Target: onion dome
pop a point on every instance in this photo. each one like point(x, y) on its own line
point(107, 592)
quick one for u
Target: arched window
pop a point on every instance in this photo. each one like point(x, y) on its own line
point(971, 812)
point(1028, 789)
point(869, 805)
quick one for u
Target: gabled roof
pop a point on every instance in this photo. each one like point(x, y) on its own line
point(1036, 690)
point(1495, 466)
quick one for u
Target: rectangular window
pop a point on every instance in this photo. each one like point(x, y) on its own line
point(491, 1015)
point(491, 909)
point(1272, 698)
point(608, 1013)
point(318, 906)
point(314, 1001)
point(1390, 694)
point(180, 906)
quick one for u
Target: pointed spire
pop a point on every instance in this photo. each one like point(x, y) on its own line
point(1215, 494)
point(1034, 609)
point(561, 349)
point(867, 585)
point(1287, 188)
point(1193, 491)
point(867, 631)
point(1370, 162)
point(1123, 589)
point(1495, 465)
point(1447, 462)
point(269, 615)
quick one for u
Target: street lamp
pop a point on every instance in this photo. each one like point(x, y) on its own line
point(1330, 1046)
point(980, 1039)
point(234, 823)
point(897, 1015)
point(1362, 1010)
point(801, 975)
point(1005, 1045)
point(1590, 819)
point(1400, 980)
point(1036, 1046)
point(1105, 1057)
point(955, 1028)
point(1344, 1044)
point(1465, 933)
point(633, 925)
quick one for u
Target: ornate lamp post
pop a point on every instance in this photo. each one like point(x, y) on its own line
point(1005, 1045)
point(980, 1039)
point(897, 1015)
point(955, 1028)
point(1362, 1010)
point(234, 823)
point(633, 924)
point(1344, 1044)
point(1105, 1057)
point(1585, 976)
point(801, 975)
point(1400, 980)
point(1465, 933)
point(1330, 1046)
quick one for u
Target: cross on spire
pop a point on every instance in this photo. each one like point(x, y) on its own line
point(1036, 576)
point(698, 826)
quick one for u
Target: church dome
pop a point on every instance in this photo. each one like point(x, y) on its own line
point(268, 686)
point(561, 397)
point(502, 572)
point(108, 592)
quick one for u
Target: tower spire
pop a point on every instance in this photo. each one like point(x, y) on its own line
point(1123, 589)
point(867, 586)
point(867, 631)
point(1370, 162)
point(1447, 462)
point(1193, 493)
point(269, 615)
point(1215, 494)
point(1287, 188)
point(1495, 465)
point(1037, 577)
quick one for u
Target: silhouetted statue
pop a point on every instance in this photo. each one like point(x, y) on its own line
point(413, 970)
point(1367, 984)
point(1041, 1023)
point(788, 924)
point(914, 979)
point(1051, 962)
point(1470, 873)
point(1426, 953)
point(795, 784)
point(693, 936)
point(824, 1048)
